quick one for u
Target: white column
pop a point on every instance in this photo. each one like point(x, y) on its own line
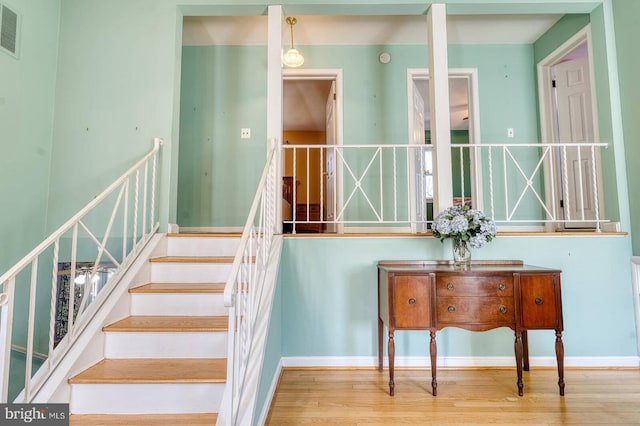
point(439, 107)
point(274, 96)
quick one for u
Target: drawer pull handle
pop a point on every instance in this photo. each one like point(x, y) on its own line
point(450, 286)
point(501, 286)
point(538, 301)
point(503, 309)
point(412, 301)
point(451, 308)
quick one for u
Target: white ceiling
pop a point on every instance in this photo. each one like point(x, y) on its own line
point(304, 101)
point(337, 30)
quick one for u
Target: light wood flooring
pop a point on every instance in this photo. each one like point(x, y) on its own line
point(465, 397)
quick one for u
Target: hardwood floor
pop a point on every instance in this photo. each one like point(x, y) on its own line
point(465, 397)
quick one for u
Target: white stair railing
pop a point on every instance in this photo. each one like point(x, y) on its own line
point(385, 185)
point(76, 267)
point(554, 183)
point(243, 294)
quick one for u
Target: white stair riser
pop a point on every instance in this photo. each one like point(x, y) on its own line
point(203, 246)
point(161, 398)
point(166, 345)
point(169, 272)
point(194, 304)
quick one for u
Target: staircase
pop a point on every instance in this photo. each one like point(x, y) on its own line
point(165, 364)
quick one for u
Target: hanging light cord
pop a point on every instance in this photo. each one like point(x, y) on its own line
point(291, 21)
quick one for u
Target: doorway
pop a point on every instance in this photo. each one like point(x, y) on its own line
point(465, 129)
point(312, 125)
point(569, 116)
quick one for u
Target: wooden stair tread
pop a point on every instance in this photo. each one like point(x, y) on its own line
point(192, 259)
point(138, 371)
point(164, 323)
point(200, 419)
point(179, 288)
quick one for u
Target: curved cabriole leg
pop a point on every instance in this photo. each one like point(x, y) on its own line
point(519, 350)
point(433, 351)
point(560, 361)
point(392, 353)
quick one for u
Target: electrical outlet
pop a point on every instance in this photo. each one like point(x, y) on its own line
point(510, 132)
point(245, 133)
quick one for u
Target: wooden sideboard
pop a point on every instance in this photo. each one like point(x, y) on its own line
point(432, 295)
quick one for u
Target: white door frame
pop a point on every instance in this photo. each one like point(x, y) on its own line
point(545, 95)
point(471, 74)
point(327, 74)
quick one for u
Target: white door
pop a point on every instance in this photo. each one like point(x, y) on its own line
point(575, 125)
point(419, 167)
point(330, 206)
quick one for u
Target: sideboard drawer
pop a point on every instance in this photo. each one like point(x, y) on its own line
point(499, 285)
point(457, 310)
point(410, 302)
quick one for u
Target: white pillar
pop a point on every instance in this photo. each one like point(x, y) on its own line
point(439, 107)
point(274, 96)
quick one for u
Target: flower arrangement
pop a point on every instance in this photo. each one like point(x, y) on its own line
point(462, 223)
point(466, 227)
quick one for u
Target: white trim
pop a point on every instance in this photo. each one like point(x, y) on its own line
point(471, 74)
point(334, 74)
point(532, 228)
point(459, 362)
point(377, 230)
point(262, 419)
point(546, 111)
point(212, 229)
point(275, 100)
point(439, 106)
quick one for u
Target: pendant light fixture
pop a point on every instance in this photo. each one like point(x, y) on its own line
point(292, 58)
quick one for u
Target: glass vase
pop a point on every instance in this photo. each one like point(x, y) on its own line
point(461, 254)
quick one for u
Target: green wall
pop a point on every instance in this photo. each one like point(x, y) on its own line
point(114, 94)
point(115, 69)
point(27, 88)
point(331, 299)
point(627, 25)
point(218, 171)
point(223, 90)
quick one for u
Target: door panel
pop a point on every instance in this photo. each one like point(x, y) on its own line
point(575, 125)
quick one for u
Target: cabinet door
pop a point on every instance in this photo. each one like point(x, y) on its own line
point(540, 299)
point(411, 305)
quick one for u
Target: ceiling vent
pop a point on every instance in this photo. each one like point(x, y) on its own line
point(9, 22)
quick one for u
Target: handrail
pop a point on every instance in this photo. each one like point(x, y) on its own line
point(389, 185)
point(69, 312)
point(243, 294)
point(68, 224)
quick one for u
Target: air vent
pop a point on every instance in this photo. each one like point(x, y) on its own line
point(9, 21)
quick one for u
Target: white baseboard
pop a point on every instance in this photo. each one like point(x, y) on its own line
point(270, 394)
point(459, 362)
point(173, 228)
